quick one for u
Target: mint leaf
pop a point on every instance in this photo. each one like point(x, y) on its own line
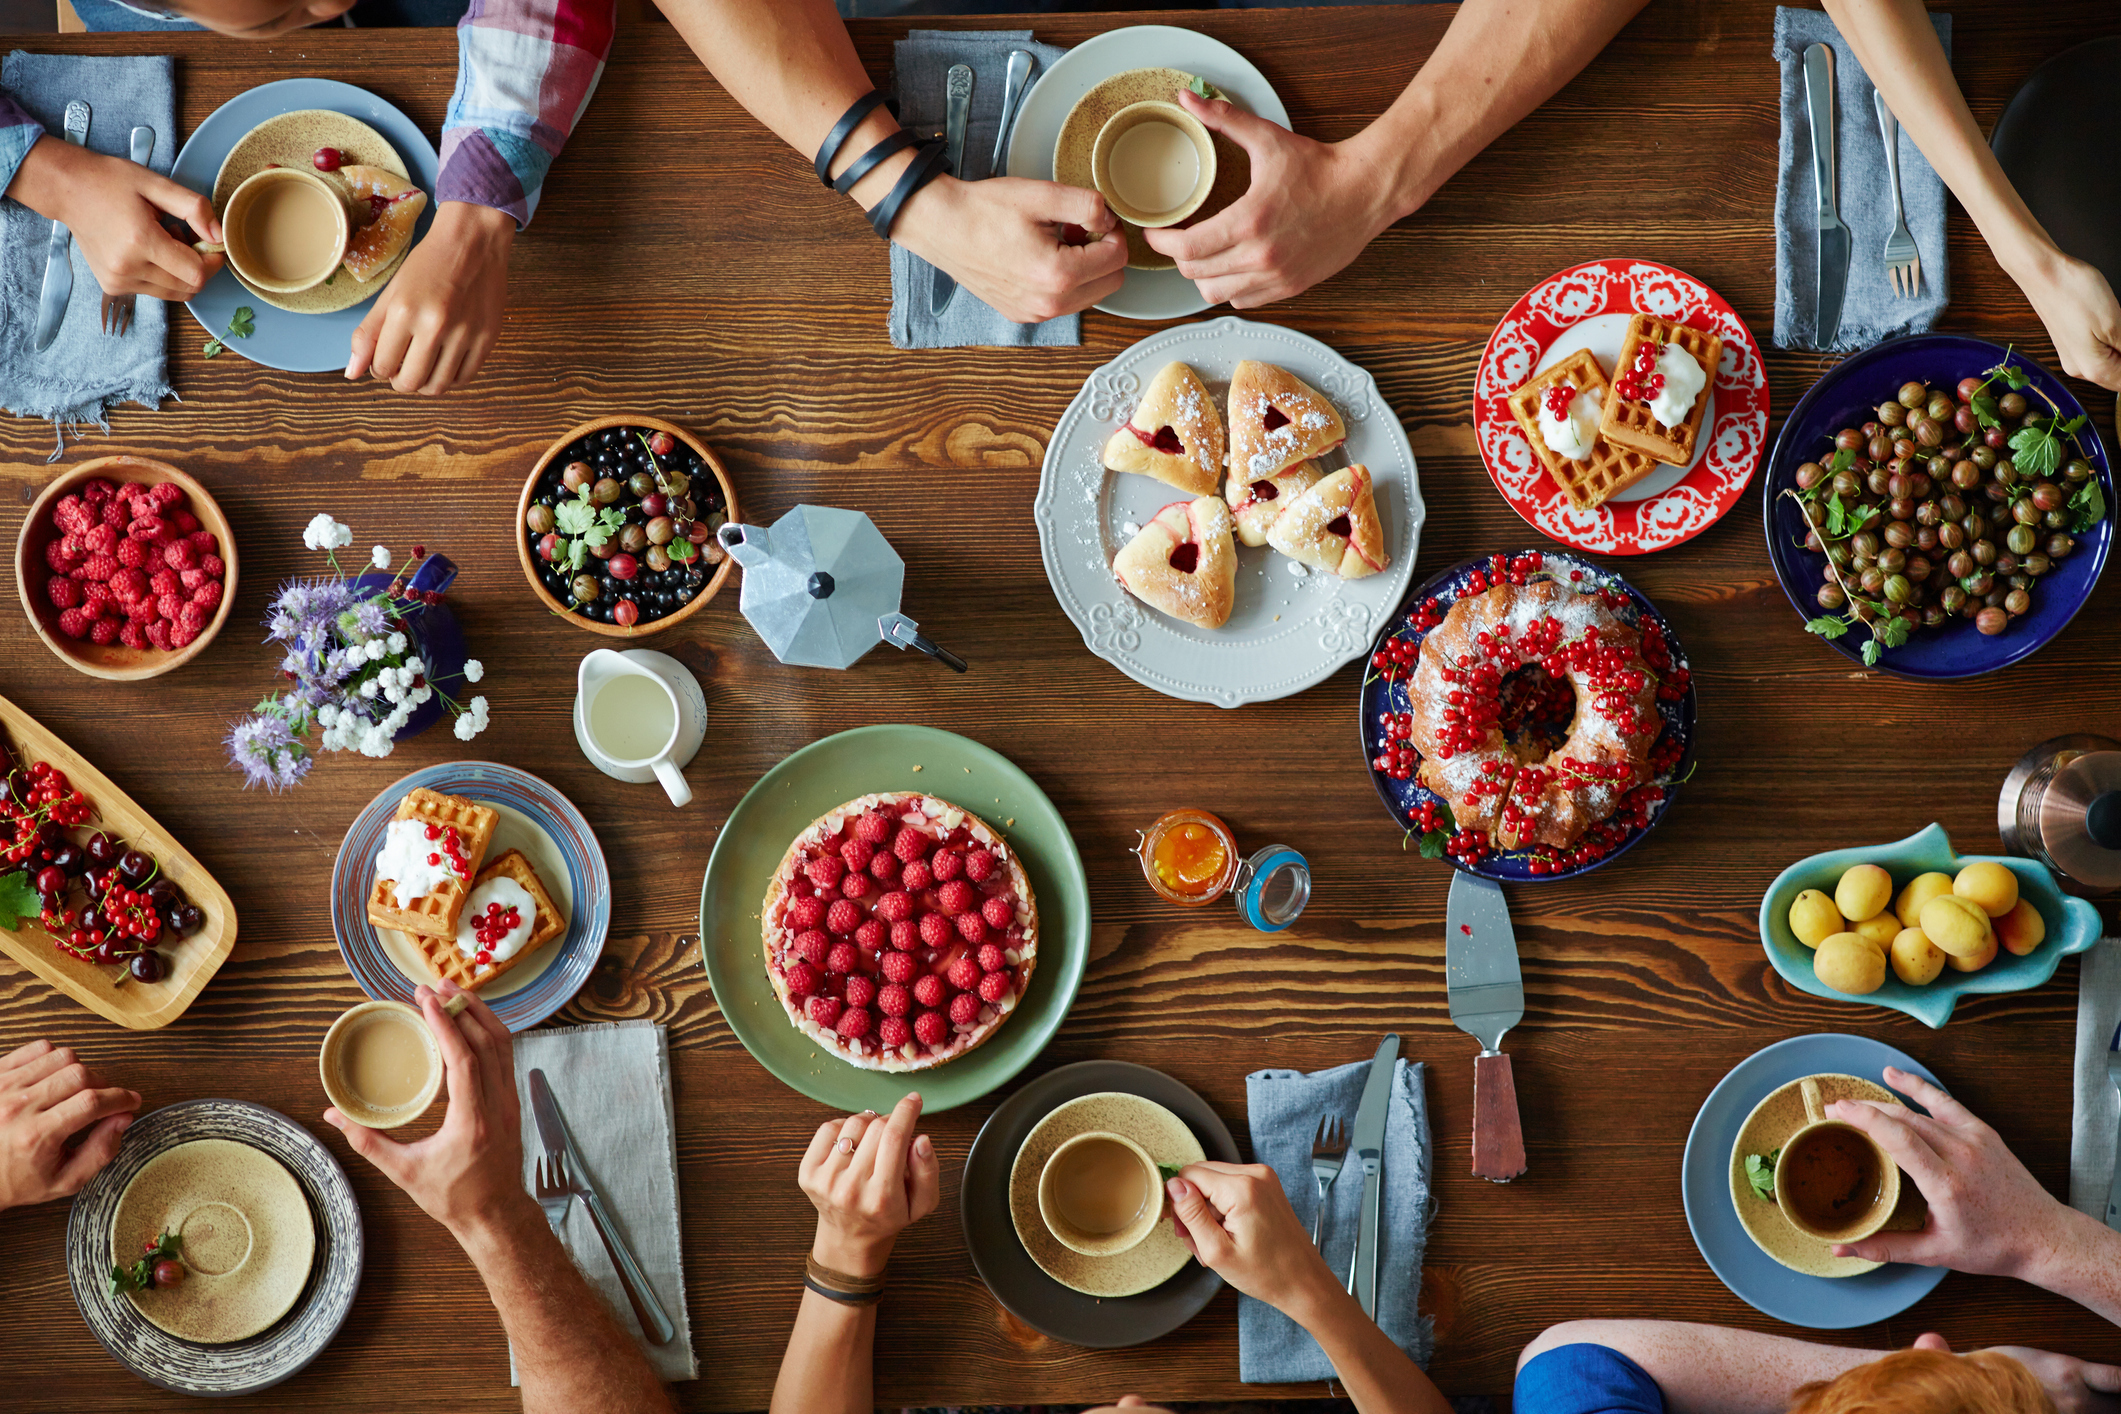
point(2089, 503)
point(1827, 626)
point(1760, 1173)
point(18, 900)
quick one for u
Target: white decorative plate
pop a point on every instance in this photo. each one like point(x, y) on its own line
point(1287, 631)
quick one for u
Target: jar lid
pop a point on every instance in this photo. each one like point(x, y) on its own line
point(1273, 885)
point(2080, 820)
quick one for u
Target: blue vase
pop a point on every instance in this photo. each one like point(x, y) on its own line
point(434, 634)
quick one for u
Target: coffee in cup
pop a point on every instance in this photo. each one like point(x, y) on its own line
point(1154, 163)
point(381, 1067)
point(1832, 1181)
point(1100, 1194)
point(286, 230)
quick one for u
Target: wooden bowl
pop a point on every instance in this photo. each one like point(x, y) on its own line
point(530, 488)
point(114, 662)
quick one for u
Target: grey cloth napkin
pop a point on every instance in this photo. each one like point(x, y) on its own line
point(85, 372)
point(1284, 1107)
point(924, 57)
point(1870, 311)
point(613, 1087)
point(2095, 1119)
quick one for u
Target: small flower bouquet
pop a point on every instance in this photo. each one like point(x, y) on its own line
point(359, 669)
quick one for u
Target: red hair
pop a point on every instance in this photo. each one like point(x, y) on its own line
point(1929, 1382)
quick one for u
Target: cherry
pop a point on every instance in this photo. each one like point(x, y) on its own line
point(625, 613)
point(70, 858)
point(327, 159)
point(51, 881)
point(186, 919)
point(134, 866)
point(149, 967)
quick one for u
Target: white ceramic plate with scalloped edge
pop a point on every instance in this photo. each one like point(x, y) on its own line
point(1287, 631)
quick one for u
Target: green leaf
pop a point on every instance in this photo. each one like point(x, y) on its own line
point(574, 517)
point(1987, 411)
point(1862, 516)
point(684, 551)
point(140, 1275)
point(2035, 450)
point(1202, 88)
point(2070, 428)
point(1760, 1173)
point(1841, 461)
point(1827, 626)
point(18, 900)
point(2014, 376)
point(2089, 503)
point(213, 348)
point(1167, 1172)
point(1433, 842)
point(577, 552)
point(1892, 632)
point(244, 322)
point(1871, 652)
point(1837, 517)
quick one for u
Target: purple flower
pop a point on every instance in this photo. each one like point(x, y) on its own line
point(264, 748)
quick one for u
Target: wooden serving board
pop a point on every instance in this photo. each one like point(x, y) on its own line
point(140, 1006)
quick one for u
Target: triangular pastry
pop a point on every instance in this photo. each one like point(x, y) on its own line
point(1183, 562)
point(1175, 434)
point(1334, 526)
point(1276, 421)
point(393, 208)
point(1259, 502)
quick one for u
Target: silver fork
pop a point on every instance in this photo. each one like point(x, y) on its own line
point(1329, 1150)
point(117, 312)
point(1903, 263)
point(556, 1184)
point(554, 1193)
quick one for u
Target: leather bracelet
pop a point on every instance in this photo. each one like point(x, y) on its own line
point(898, 142)
point(839, 1280)
point(845, 1298)
point(862, 107)
point(923, 169)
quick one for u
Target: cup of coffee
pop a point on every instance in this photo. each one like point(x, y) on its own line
point(286, 230)
point(1154, 163)
point(1100, 1194)
point(1832, 1181)
point(381, 1066)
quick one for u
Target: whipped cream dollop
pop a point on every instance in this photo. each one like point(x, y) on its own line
point(1683, 382)
point(509, 894)
point(404, 860)
point(1572, 436)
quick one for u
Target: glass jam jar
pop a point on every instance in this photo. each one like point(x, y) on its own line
point(1191, 858)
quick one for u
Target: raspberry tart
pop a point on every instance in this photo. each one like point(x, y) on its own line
point(900, 931)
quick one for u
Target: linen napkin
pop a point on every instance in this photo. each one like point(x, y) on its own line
point(612, 1083)
point(1284, 1108)
point(2096, 1117)
point(924, 57)
point(1870, 311)
point(85, 372)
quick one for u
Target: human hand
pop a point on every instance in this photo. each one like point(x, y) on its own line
point(468, 1174)
point(1006, 240)
point(47, 1096)
point(1130, 1401)
point(113, 208)
point(2076, 1386)
point(1986, 1212)
point(1311, 208)
point(431, 328)
point(2078, 307)
point(1237, 1220)
point(870, 1179)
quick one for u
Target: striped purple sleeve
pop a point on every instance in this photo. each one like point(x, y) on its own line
point(525, 71)
point(18, 134)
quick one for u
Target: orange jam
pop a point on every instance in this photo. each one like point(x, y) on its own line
point(1189, 857)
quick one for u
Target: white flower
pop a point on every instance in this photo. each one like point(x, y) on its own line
point(420, 695)
point(393, 693)
point(380, 557)
point(374, 651)
point(327, 714)
point(466, 729)
point(324, 533)
point(368, 689)
point(473, 670)
point(478, 709)
point(415, 665)
point(396, 640)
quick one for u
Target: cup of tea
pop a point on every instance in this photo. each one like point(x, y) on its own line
point(380, 1064)
point(1100, 1194)
point(1832, 1181)
point(286, 230)
point(1154, 163)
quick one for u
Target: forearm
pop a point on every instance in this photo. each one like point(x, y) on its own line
point(826, 1369)
point(516, 103)
point(2078, 1257)
point(570, 1354)
point(1710, 1369)
point(1378, 1376)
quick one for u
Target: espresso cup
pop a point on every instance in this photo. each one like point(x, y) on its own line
point(285, 229)
point(380, 1064)
point(1154, 163)
point(1100, 1194)
point(1832, 1181)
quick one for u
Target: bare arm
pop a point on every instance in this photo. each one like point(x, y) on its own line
point(1709, 1369)
point(1898, 48)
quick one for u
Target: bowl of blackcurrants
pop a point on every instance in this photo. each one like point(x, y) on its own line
point(616, 527)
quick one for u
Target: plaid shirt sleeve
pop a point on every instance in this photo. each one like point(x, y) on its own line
point(525, 71)
point(18, 134)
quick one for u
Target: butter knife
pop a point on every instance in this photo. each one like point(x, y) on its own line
point(58, 256)
point(957, 118)
point(1368, 1143)
point(2113, 1190)
point(552, 1131)
point(1021, 63)
point(1836, 241)
point(1486, 992)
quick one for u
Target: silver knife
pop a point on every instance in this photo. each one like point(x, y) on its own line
point(58, 256)
point(1369, 1145)
point(1835, 239)
point(1487, 999)
point(2113, 1191)
point(552, 1131)
point(957, 93)
point(1021, 63)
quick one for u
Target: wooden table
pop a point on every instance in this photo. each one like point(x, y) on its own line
point(684, 264)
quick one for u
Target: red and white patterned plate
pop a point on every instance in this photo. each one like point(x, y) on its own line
point(1588, 307)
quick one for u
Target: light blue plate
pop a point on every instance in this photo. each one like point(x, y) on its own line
point(299, 343)
point(2072, 924)
point(1816, 1303)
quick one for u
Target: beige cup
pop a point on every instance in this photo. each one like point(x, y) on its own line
point(381, 1066)
point(286, 230)
point(1832, 1181)
point(1087, 1193)
point(1140, 158)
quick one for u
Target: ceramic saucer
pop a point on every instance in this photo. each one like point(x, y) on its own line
point(1150, 1263)
point(1078, 135)
point(692, 714)
point(1765, 1130)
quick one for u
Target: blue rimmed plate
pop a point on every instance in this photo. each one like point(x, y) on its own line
point(1378, 697)
point(536, 819)
point(289, 1344)
point(2072, 924)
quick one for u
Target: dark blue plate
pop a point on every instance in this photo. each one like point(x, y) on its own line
point(1847, 396)
point(1379, 697)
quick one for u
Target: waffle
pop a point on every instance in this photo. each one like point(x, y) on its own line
point(1629, 424)
point(449, 962)
point(435, 914)
point(1609, 468)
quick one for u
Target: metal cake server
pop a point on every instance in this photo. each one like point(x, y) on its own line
point(1487, 999)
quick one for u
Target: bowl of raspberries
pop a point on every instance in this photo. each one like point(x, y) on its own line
point(126, 568)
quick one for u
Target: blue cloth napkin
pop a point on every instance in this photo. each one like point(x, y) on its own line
point(924, 57)
point(85, 372)
point(1284, 1109)
point(1870, 311)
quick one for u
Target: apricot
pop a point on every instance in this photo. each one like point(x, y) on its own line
point(1863, 892)
point(1957, 925)
point(2022, 929)
point(1814, 919)
point(1919, 891)
point(1916, 960)
point(1851, 963)
point(1880, 930)
point(1990, 885)
point(1978, 961)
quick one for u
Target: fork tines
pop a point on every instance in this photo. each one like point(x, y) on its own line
point(1907, 277)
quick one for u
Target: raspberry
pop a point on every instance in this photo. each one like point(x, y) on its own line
point(96, 598)
point(894, 1000)
point(190, 580)
point(185, 521)
point(96, 490)
point(991, 959)
point(826, 871)
point(972, 928)
point(203, 541)
point(127, 586)
point(103, 632)
point(823, 1010)
point(870, 935)
point(806, 913)
point(181, 556)
point(957, 896)
point(71, 513)
point(72, 622)
point(861, 990)
point(166, 493)
point(102, 568)
point(964, 1008)
point(59, 554)
point(892, 907)
point(66, 594)
point(964, 974)
point(899, 967)
point(857, 854)
point(841, 959)
point(935, 930)
point(904, 934)
point(842, 916)
point(142, 610)
point(211, 563)
point(192, 616)
point(208, 595)
point(884, 868)
point(893, 1032)
point(813, 945)
point(131, 636)
point(915, 876)
point(994, 986)
point(946, 865)
point(930, 991)
point(150, 528)
point(998, 912)
point(855, 886)
point(132, 554)
point(102, 540)
point(930, 1028)
point(158, 635)
point(117, 513)
point(909, 844)
point(853, 1023)
point(872, 830)
point(803, 979)
point(979, 865)
point(168, 606)
point(163, 581)
point(182, 637)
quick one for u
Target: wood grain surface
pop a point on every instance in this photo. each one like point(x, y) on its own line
point(685, 265)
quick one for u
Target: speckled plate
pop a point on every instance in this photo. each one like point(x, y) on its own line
point(1078, 137)
point(1287, 631)
point(1779, 1115)
point(1156, 1258)
point(285, 1345)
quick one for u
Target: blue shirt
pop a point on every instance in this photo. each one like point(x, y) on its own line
point(1585, 1379)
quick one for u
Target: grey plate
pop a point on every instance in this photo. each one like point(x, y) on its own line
point(243, 1366)
point(1102, 1323)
